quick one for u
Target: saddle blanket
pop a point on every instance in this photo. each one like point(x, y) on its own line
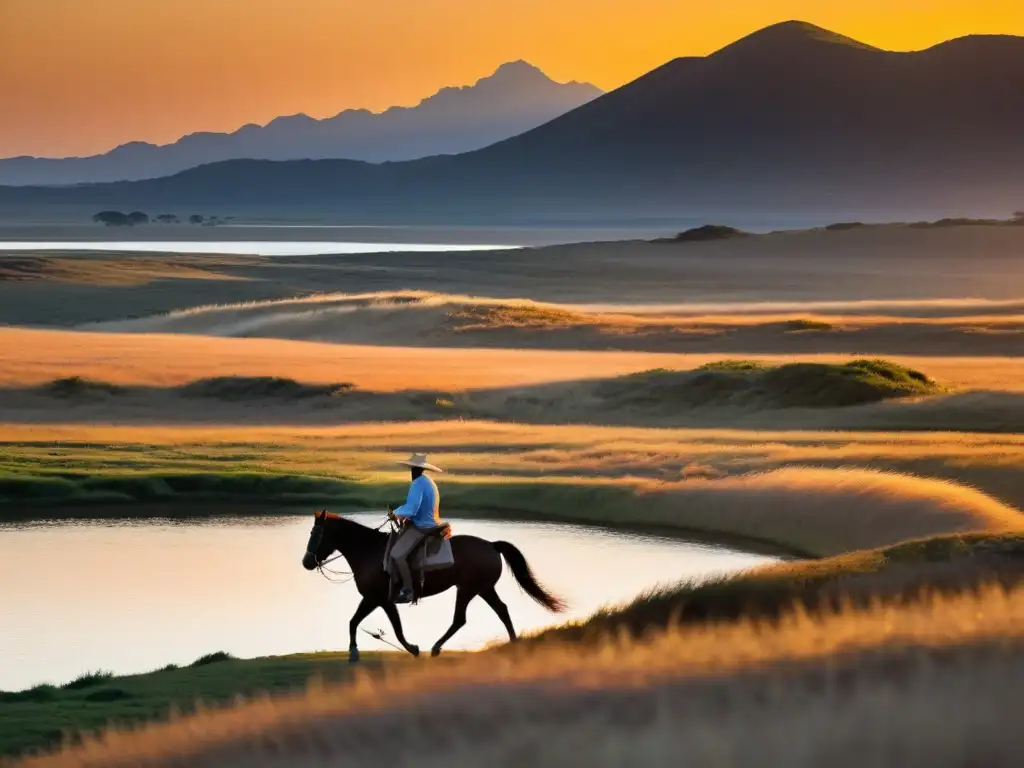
point(434, 554)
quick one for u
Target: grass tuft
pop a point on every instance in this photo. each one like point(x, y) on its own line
point(77, 387)
point(747, 383)
point(88, 680)
point(236, 388)
point(212, 658)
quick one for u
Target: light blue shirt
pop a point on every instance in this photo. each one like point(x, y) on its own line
point(422, 504)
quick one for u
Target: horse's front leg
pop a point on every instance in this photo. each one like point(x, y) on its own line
point(364, 609)
point(396, 624)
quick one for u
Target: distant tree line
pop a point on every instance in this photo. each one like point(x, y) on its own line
point(120, 219)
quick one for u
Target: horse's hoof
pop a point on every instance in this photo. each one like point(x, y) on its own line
point(435, 651)
point(414, 650)
point(353, 655)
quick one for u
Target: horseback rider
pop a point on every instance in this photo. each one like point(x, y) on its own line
point(419, 513)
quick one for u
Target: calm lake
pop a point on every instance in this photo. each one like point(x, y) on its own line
point(243, 247)
point(133, 596)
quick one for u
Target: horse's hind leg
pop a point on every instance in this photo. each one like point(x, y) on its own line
point(458, 621)
point(364, 609)
point(490, 596)
point(396, 624)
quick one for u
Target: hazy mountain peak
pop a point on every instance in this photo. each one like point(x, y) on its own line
point(519, 68)
point(515, 85)
point(516, 97)
point(511, 75)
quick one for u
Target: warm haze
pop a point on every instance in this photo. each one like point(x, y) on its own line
point(706, 318)
point(154, 72)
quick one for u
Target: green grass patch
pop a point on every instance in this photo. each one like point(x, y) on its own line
point(747, 383)
point(39, 718)
point(104, 488)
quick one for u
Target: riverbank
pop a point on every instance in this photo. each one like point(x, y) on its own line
point(810, 493)
point(40, 717)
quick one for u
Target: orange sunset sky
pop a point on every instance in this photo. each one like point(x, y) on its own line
point(81, 76)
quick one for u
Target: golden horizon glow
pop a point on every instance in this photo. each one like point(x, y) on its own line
point(82, 77)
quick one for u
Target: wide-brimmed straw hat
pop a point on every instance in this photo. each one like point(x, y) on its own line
point(420, 460)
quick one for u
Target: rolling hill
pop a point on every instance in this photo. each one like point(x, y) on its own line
point(792, 116)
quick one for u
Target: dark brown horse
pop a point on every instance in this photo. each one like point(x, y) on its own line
point(475, 573)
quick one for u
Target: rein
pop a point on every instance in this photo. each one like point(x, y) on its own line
point(344, 577)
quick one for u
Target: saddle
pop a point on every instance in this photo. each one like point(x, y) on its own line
point(433, 552)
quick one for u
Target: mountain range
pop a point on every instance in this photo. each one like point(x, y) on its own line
point(515, 98)
point(792, 117)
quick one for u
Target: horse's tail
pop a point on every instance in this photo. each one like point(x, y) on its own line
point(521, 570)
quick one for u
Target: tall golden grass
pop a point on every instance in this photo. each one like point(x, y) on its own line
point(29, 357)
point(932, 683)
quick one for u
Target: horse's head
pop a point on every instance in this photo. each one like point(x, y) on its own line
point(321, 544)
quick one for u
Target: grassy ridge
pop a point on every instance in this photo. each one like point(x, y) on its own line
point(899, 573)
point(926, 683)
point(834, 586)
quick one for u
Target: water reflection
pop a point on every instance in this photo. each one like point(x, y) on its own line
point(131, 596)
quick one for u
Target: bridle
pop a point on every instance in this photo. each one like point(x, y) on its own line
point(333, 576)
point(316, 536)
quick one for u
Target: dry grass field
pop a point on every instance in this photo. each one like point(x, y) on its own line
point(691, 388)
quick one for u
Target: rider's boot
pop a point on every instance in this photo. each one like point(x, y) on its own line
point(406, 595)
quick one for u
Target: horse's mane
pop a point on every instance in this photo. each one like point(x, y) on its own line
point(354, 531)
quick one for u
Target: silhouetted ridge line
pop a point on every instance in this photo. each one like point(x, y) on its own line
point(792, 116)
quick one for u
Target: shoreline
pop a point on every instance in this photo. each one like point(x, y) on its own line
point(188, 509)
